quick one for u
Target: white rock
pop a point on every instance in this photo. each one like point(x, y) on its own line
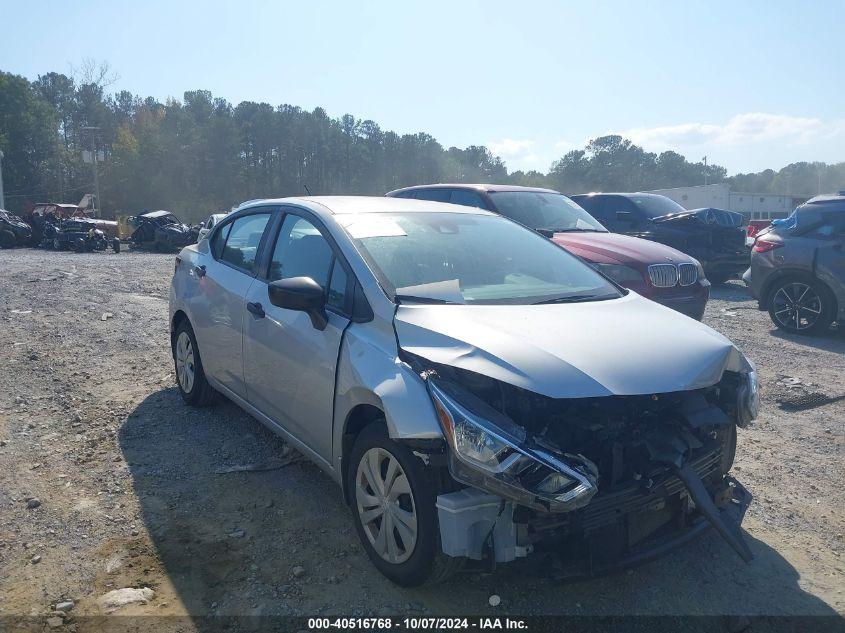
point(128, 595)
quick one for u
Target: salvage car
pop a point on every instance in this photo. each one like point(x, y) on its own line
point(715, 237)
point(797, 269)
point(467, 383)
point(656, 271)
point(44, 214)
point(13, 230)
point(78, 234)
point(160, 231)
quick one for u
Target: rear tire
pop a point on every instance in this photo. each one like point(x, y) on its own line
point(190, 376)
point(801, 305)
point(406, 507)
point(115, 245)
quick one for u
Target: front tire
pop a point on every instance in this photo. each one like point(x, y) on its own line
point(393, 501)
point(7, 239)
point(802, 305)
point(190, 376)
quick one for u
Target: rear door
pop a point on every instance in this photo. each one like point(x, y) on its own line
point(289, 364)
point(217, 309)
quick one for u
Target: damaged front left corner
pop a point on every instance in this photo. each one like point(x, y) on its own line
point(612, 473)
point(489, 451)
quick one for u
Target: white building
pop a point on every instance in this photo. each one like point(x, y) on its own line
point(754, 206)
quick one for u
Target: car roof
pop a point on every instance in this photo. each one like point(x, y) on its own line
point(617, 193)
point(827, 199)
point(475, 187)
point(341, 205)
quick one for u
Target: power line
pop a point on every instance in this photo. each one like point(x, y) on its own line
point(50, 193)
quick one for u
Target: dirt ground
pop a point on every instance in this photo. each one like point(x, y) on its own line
point(107, 480)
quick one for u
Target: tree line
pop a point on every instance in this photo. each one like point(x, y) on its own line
point(203, 154)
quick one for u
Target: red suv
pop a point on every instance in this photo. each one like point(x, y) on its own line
point(650, 269)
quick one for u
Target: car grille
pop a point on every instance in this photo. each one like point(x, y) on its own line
point(663, 275)
point(688, 274)
point(607, 508)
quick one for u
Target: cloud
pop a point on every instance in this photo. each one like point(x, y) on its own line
point(517, 153)
point(740, 130)
point(510, 147)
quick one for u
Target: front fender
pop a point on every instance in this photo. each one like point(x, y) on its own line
point(369, 372)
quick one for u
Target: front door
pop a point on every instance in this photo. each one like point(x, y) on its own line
point(289, 365)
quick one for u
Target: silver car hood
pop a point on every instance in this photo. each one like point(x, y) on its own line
point(626, 346)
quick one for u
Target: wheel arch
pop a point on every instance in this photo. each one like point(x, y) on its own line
point(783, 274)
point(358, 418)
point(176, 320)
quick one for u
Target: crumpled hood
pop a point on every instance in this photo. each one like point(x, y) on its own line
point(626, 346)
point(720, 218)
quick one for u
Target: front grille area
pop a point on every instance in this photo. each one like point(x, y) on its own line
point(610, 507)
point(663, 275)
point(688, 274)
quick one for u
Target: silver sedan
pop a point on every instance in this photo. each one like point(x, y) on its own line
point(475, 389)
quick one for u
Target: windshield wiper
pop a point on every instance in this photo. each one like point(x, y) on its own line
point(416, 299)
point(574, 299)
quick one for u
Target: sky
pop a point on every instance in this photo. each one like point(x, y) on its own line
point(751, 85)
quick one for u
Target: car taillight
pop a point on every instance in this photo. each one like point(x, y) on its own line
point(751, 231)
point(764, 246)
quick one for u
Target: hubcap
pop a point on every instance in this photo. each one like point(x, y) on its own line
point(185, 362)
point(386, 505)
point(797, 305)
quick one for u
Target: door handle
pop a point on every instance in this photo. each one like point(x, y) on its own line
point(255, 309)
point(199, 271)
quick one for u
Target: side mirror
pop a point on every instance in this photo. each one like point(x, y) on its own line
point(302, 294)
point(625, 216)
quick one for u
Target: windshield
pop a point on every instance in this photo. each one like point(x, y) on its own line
point(655, 206)
point(467, 258)
point(551, 212)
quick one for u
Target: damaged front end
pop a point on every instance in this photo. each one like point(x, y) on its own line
point(595, 482)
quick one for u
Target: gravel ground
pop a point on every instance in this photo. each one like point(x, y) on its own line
point(108, 481)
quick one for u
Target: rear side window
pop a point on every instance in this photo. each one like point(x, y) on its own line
point(435, 195)
point(831, 225)
point(219, 240)
point(594, 205)
point(242, 240)
point(467, 198)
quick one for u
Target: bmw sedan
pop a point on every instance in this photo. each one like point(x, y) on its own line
point(479, 393)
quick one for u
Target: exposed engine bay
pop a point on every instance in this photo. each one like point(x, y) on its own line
point(598, 478)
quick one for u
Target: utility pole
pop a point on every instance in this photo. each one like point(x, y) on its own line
point(94, 131)
point(705, 171)
point(2, 199)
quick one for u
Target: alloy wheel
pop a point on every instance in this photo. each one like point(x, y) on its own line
point(386, 506)
point(797, 306)
point(185, 362)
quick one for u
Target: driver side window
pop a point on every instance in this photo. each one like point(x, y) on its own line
point(302, 251)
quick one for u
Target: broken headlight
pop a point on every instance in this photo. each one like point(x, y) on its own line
point(489, 451)
point(748, 397)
